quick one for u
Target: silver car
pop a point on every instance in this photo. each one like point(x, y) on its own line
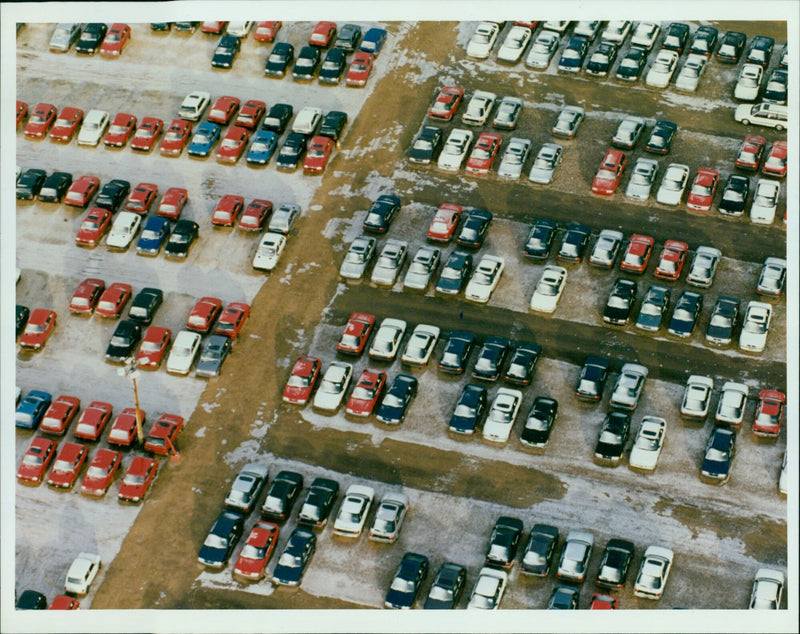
point(629, 386)
point(514, 158)
point(358, 257)
point(391, 260)
point(772, 277)
point(420, 345)
point(545, 164)
point(387, 339)
point(606, 248)
point(389, 518)
point(65, 36)
point(422, 268)
point(690, 74)
point(731, 404)
point(575, 556)
point(283, 218)
point(642, 179)
point(246, 488)
point(704, 266)
point(543, 49)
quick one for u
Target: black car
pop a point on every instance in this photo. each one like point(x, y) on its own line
point(602, 60)
point(539, 551)
point(574, 242)
point(54, 187)
point(381, 214)
point(277, 118)
point(572, 56)
point(188, 27)
point(91, 38)
point(181, 239)
point(448, 585)
point(523, 363)
point(124, 340)
point(592, 379)
point(616, 562)
point(145, 304)
point(318, 503)
point(30, 183)
point(332, 66)
point(407, 581)
point(456, 352)
point(227, 49)
point(349, 38)
point(631, 66)
point(282, 495)
point(619, 305)
point(540, 239)
point(490, 358)
point(278, 60)
point(31, 600)
point(112, 194)
point(221, 540)
point(539, 423)
point(661, 137)
point(704, 41)
point(215, 351)
point(653, 308)
point(613, 437)
point(397, 399)
point(731, 47)
point(504, 542)
point(455, 273)
point(734, 196)
point(563, 598)
point(294, 560)
point(760, 50)
point(473, 231)
point(292, 150)
point(722, 321)
point(718, 457)
point(777, 87)
point(426, 146)
point(161, 26)
point(470, 410)
point(685, 313)
point(333, 124)
point(675, 37)
point(23, 312)
point(306, 63)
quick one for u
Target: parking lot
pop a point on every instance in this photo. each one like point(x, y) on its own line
point(457, 488)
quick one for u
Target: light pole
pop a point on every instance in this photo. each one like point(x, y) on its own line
point(132, 372)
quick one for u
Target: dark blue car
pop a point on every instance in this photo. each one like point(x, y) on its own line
point(204, 139)
point(295, 557)
point(373, 41)
point(406, 582)
point(31, 409)
point(155, 233)
point(263, 147)
point(221, 540)
point(470, 410)
point(392, 409)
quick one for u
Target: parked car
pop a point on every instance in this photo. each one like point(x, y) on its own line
point(718, 456)
point(539, 424)
point(573, 54)
point(704, 266)
point(95, 124)
point(183, 236)
point(612, 439)
point(318, 503)
point(67, 465)
point(647, 444)
point(653, 572)
point(358, 257)
point(396, 401)
point(731, 404)
point(502, 415)
point(37, 331)
point(767, 590)
point(213, 354)
point(488, 590)
point(592, 378)
point(568, 121)
point(575, 556)
point(697, 397)
point(574, 242)
point(251, 564)
point(281, 496)
point(772, 277)
point(504, 542)
point(685, 313)
point(81, 573)
point(368, 390)
point(734, 196)
point(185, 349)
point(279, 59)
point(609, 173)
point(544, 165)
point(731, 47)
point(37, 459)
point(302, 380)
point(490, 359)
point(701, 195)
point(295, 558)
point(549, 289)
point(514, 158)
point(671, 260)
point(482, 40)
point(484, 279)
point(353, 512)
point(407, 581)
point(470, 410)
point(770, 115)
point(765, 201)
point(381, 214)
point(389, 518)
point(690, 73)
point(661, 137)
point(455, 149)
point(723, 320)
point(333, 386)
point(221, 540)
point(662, 70)
point(631, 66)
point(447, 587)
point(619, 305)
point(542, 50)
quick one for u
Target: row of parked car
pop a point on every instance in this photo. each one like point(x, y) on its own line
point(80, 575)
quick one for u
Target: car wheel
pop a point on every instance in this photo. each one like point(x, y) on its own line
point(779, 128)
point(746, 121)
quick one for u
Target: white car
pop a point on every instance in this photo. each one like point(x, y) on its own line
point(606, 248)
point(653, 573)
point(387, 339)
point(772, 277)
point(123, 230)
point(81, 573)
point(185, 348)
point(616, 31)
point(283, 218)
point(559, 26)
point(307, 120)
point(94, 127)
point(482, 41)
point(767, 590)
point(389, 518)
point(502, 415)
point(239, 29)
point(648, 444)
point(455, 149)
point(543, 50)
point(587, 29)
point(549, 289)
point(629, 386)
point(508, 111)
point(421, 344)
point(771, 115)
point(488, 590)
point(628, 132)
point(514, 158)
point(514, 45)
point(64, 36)
point(704, 266)
point(333, 385)
point(545, 164)
point(194, 105)
point(479, 108)
point(749, 82)
point(390, 261)
point(697, 396)
point(642, 179)
point(353, 512)
point(575, 556)
point(568, 120)
point(732, 401)
point(645, 35)
point(689, 76)
point(672, 185)
point(358, 256)
point(755, 326)
point(269, 251)
point(422, 268)
point(662, 69)
point(484, 279)
point(765, 201)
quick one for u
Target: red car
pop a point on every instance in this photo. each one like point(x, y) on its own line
point(250, 115)
point(224, 110)
point(366, 393)
point(233, 144)
point(147, 134)
point(227, 211)
point(673, 256)
point(59, 415)
point(176, 137)
point(113, 300)
point(36, 460)
point(266, 31)
point(81, 191)
point(64, 602)
point(446, 103)
point(155, 342)
point(142, 198)
point(232, 320)
point(94, 226)
point(257, 550)
point(444, 222)
point(323, 34)
point(85, 297)
point(702, 193)
point(609, 173)
point(769, 413)
point(93, 420)
point(22, 112)
point(39, 327)
point(751, 151)
point(302, 380)
point(66, 124)
point(319, 152)
point(255, 215)
point(40, 121)
point(356, 333)
point(603, 602)
point(360, 68)
point(213, 28)
point(101, 471)
point(67, 465)
point(137, 479)
point(203, 314)
point(120, 130)
point(637, 253)
point(775, 164)
point(483, 154)
point(123, 429)
point(172, 203)
point(115, 40)
point(163, 434)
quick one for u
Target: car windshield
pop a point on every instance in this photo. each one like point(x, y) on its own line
point(362, 393)
point(720, 321)
point(438, 593)
point(149, 234)
point(715, 455)
point(615, 301)
point(607, 175)
point(96, 472)
point(172, 136)
point(62, 465)
point(701, 190)
point(252, 552)
point(32, 460)
point(571, 54)
point(402, 585)
point(89, 225)
point(144, 133)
